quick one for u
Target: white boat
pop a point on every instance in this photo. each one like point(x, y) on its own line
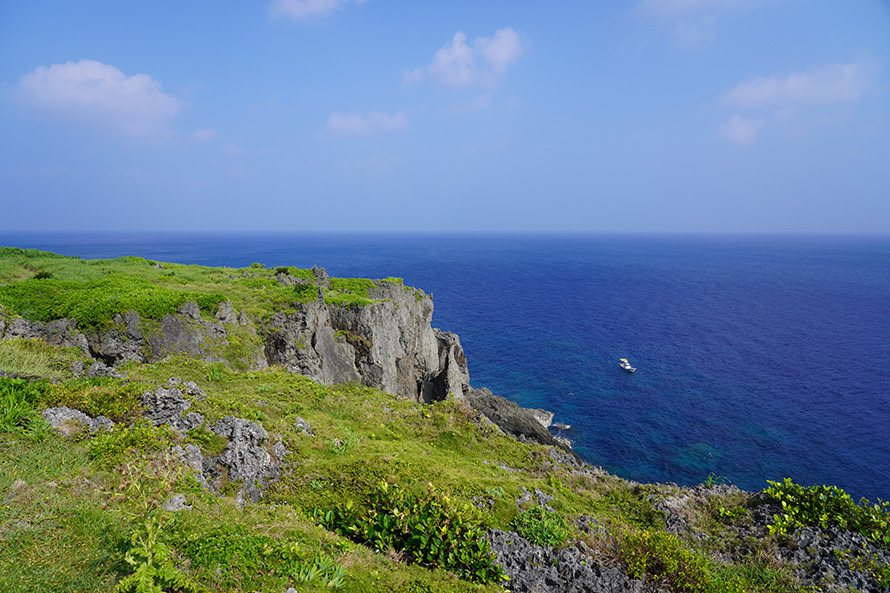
point(626, 365)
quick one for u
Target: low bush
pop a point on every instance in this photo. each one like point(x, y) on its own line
point(663, 558)
point(541, 527)
point(829, 505)
point(94, 303)
point(430, 529)
point(115, 399)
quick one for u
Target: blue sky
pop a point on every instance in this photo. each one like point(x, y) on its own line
point(492, 116)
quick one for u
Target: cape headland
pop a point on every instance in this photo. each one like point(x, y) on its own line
point(191, 428)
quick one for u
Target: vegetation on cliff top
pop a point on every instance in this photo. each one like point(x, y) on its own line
point(43, 286)
point(384, 495)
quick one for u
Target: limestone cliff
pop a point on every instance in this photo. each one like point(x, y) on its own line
point(387, 343)
point(385, 340)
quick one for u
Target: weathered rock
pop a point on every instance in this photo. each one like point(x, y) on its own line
point(167, 405)
point(177, 503)
point(63, 417)
point(538, 496)
point(513, 419)
point(388, 344)
point(100, 369)
point(536, 569)
point(226, 313)
point(543, 416)
point(303, 427)
point(59, 332)
point(321, 277)
point(245, 457)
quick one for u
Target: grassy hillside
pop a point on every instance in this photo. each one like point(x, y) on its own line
point(384, 495)
point(42, 286)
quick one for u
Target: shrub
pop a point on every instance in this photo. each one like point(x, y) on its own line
point(541, 527)
point(95, 303)
point(144, 484)
point(98, 397)
point(305, 293)
point(359, 286)
point(663, 558)
point(431, 529)
point(829, 505)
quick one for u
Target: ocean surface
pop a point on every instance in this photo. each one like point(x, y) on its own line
point(757, 357)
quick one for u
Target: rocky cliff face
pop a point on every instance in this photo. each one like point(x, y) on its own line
point(388, 344)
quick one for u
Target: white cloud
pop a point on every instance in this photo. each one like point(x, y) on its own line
point(483, 62)
point(369, 123)
point(501, 50)
point(792, 99)
point(412, 76)
point(99, 95)
point(305, 9)
point(692, 22)
point(834, 83)
point(741, 130)
point(202, 135)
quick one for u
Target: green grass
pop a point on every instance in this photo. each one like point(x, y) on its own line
point(31, 357)
point(42, 286)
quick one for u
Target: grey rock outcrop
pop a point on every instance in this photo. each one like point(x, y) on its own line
point(537, 569)
point(514, 420)
point(245, 457)
point(167, 405)
point(303, 427)
point(177, 503)
point(388, 344)
point(100, 369)
point(63, 416)
point(59, 332)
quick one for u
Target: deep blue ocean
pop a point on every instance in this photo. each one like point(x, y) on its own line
point(757, 357)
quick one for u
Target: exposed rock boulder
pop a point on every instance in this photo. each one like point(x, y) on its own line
point(100, 369)
point(167, 405)
point(67, 420)
point(245, 457)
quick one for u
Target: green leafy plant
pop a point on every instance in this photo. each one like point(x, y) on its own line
point(828, 505)
point(17, 403)
point(663, 558)
point(431, 529)
point(712, 480)
point(144, 484)
point(95, 302)
point(115, 399)
point(541, 527)
point(341, 446)
point(305, 293)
